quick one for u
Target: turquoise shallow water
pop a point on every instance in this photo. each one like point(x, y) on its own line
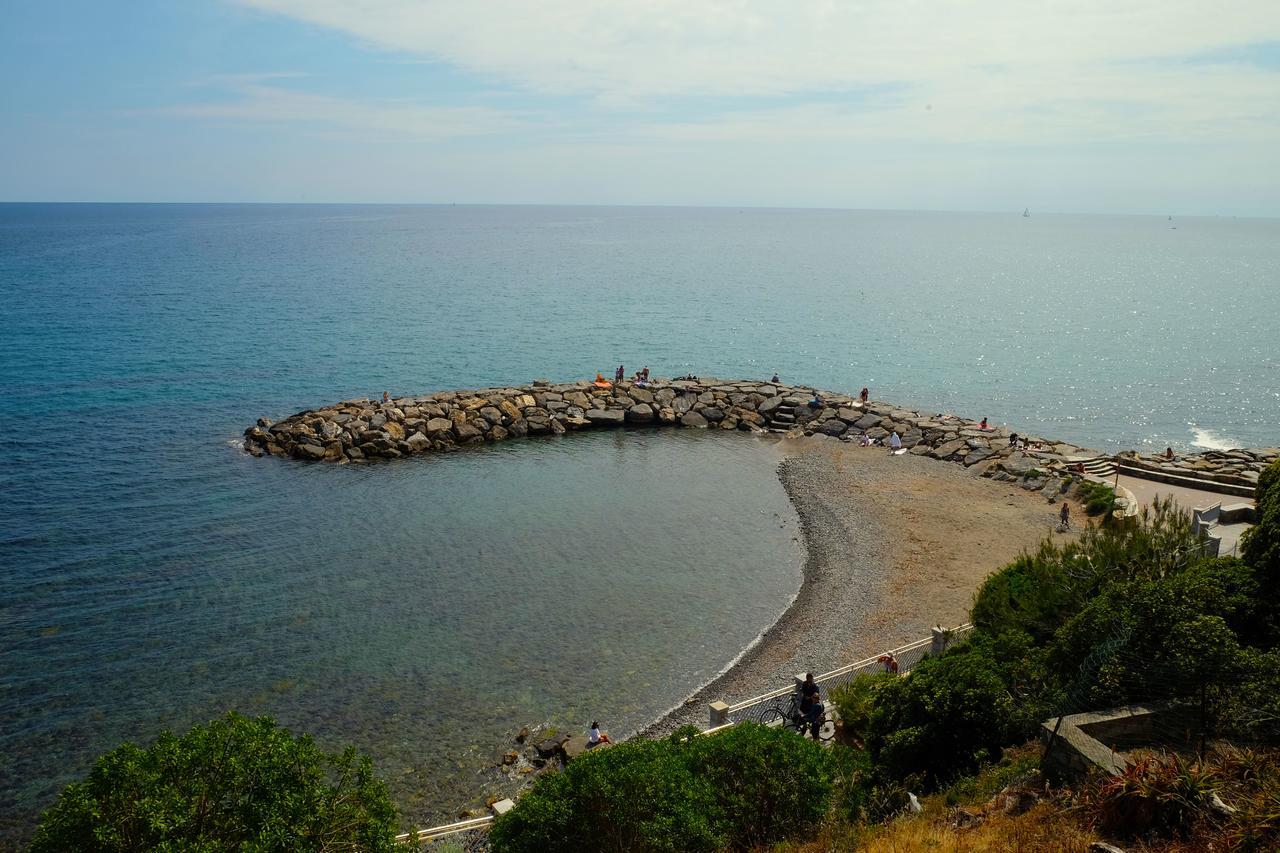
point(150, 575)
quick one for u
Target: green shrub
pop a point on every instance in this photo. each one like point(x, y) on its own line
point(1096, 497)
point(232, 784)
point(744, 787)
point(768, 783)
point(948, 717)
point(1040, 592)
point(855, 701)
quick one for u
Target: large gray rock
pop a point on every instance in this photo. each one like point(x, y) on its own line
point(606, 417)
point(418, 442)
point(769, 406)
point(945, 450)
point(640, 413)
point(867, 421)
point(713, 414)
point(833, 427)
point(693, 419)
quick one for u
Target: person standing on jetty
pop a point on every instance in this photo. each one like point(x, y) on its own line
point(863, 395)
point(619, 373)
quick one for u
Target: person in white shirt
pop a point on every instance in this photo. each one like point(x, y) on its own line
point(595, 737)
point(895, 443)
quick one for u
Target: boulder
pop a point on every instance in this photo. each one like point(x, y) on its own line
point(466, 432)
point(549, 747)
point(418, 442)
point(713, 414)
point(436, 426)
point(606, 417)
point(851, 416)
point(693, 419)
point(394, 430)
point(833, 427)
point(867, 421)
point(640, 413)
point(769, 406)
point(946, 449)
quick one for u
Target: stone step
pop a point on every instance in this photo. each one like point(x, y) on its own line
point(784, 418)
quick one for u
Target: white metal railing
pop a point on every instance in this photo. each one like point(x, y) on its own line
point(437, 832)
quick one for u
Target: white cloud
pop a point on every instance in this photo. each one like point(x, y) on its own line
point(766, 47)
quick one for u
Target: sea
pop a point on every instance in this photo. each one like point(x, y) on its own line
point(152, 575)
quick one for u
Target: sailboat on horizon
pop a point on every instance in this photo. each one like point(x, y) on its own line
point(1026, 211)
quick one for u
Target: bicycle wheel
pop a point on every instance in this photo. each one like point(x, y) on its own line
point(827, 729)
point(773, 717)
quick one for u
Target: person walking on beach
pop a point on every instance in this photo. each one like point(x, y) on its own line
point(1064, 517)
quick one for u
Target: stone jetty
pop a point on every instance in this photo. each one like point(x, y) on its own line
point(363, 429)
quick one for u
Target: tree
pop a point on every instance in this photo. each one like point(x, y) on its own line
point(1260, 546)
point(236, 783)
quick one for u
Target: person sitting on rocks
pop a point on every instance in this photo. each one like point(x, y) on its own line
point(1168, 453)
point(816, 402)
point(983, 425)
point(775, 379)
point(865, 440)
point(595, 737)
point(811, 707)
point(386, 397)
point(1013, 439)
point(644, 374)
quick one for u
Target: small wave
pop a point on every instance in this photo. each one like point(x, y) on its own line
point(1211, 440)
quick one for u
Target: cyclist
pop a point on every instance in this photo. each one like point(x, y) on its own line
point(811, 707)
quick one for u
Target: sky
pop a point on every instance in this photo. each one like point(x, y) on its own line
point(1106, 106)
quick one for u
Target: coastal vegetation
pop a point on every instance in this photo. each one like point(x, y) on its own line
point(236, 783)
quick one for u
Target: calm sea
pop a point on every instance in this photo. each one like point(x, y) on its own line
point(151, 575)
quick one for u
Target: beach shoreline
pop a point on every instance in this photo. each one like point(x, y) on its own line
point(856, 597)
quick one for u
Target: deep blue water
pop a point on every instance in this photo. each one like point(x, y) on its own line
point(152, 575)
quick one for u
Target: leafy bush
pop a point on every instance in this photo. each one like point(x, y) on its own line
point(948, 717)
point(1040, 592)
point(1096, 497)
point(1156, 795)
point(744, 787)
point(855, 701)
point(232, 784)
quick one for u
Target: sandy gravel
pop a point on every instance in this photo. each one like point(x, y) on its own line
point(895, 545)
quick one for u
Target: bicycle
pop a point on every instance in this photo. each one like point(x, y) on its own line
point(789, 716)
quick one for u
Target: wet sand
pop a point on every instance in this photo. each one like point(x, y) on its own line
point(895, 544)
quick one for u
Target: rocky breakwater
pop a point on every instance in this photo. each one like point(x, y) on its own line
point(357, 430)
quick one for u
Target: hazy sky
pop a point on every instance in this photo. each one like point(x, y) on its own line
point(1082, 105)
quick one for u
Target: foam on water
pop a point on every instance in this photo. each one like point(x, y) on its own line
point(1208, 439)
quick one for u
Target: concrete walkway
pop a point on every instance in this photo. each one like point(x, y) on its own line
point(1146, 492)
